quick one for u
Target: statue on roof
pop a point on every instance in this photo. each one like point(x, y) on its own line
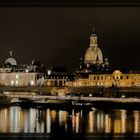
point(11, 53)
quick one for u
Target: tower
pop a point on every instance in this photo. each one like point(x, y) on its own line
point(93, 52)
point(93, 38)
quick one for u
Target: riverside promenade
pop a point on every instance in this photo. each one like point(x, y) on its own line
point(115, 92)
point(44, 98)
point(80, 89)
point(65, 102)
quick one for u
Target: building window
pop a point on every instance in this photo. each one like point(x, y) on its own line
point(16, 82)
point(113, 77)
point(12, 82)
point(94, 77)
point(127, 77)
point(16, 76)
point(121, 77)
point(101, 77)
point(32, 82)
point(97, 77)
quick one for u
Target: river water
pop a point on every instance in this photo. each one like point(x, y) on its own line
point(16, 119)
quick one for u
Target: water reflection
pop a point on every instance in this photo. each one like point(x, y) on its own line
point(16, 119)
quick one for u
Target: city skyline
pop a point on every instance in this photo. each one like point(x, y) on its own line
point(60, 36)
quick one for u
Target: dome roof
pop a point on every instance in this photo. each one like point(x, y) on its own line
point(93, 54)
point(11, 60)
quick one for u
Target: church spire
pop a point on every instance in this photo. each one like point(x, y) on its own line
point(93, 31)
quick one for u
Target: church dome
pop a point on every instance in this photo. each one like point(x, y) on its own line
point(11, 60)
point(93, 55)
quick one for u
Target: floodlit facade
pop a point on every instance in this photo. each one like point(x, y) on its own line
point(12, 74)
point(93, 54)
point(117, 79)
point(18, 79)
point(96, 72)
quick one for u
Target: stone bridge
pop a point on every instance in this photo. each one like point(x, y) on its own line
point(69, 98)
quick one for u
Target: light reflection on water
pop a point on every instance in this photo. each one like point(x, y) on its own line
point(31, 120)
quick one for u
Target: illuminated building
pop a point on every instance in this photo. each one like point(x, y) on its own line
point(93, 54)
point(13, 74)
point(93, 60)
point(94, 71)
point(57, 76)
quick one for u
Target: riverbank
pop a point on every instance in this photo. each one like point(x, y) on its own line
point(95, 91)
point(80, 106)
point(75, 102)
point(4, 100)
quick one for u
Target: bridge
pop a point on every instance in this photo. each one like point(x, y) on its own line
point(44, 98)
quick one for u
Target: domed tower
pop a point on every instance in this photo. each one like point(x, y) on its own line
point(11, 60)
point(93, 54)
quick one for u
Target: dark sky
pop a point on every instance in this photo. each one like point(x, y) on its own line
point(59, 36)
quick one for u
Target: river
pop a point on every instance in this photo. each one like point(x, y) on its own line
point(17, 119)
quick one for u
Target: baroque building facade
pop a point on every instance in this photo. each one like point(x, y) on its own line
point(95, 71)
point(93, 60)
point(117, 79)
point(12, 74)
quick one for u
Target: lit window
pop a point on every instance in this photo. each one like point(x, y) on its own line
point(12, 82)
point(32, 82)
point(16, 76)
point(16, 82)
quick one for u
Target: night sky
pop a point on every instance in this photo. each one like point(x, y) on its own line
point(60, 36)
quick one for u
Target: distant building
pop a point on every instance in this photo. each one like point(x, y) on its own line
point(117, 79)
point(94, 71)
point(93, 60)
point(57, 76)
point(13, 74)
